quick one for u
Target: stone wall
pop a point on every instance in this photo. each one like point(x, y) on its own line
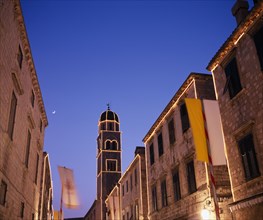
point(22, 81)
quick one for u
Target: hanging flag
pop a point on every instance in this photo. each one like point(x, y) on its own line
point(215, 131)
point(69, 192)
point(194, 109)
point(58, 215)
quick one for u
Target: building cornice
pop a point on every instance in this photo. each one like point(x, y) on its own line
point(29, 59)
point(136, 158)
point(192, 76)
point(254, 15)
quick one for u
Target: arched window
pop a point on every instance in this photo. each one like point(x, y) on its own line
point(114, 145)
point(108, 145)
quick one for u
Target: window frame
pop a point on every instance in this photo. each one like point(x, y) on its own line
point(164, 193)
point(151, 151)
point(184, 118)
point(171, 130)
point(233, 83)
point(160, 144)
point(20, 57)
point(110, 163)
point(250, 165)
point(131, 181)
point(22, 209)
point(3, 193)
point(32, 98)
point(135, 177)
point(27, 153)
point(127, 186)
point(176, 185)
point(259, 45)
point(12, 116)
point(37, 165)
point(154, 198)
point(191, 179)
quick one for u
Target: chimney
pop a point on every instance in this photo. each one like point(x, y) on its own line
point(240, 10)
point(139, 150)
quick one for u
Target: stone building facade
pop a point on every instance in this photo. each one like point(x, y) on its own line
point(177, 182)
point(237, 69)
point(46, 191)
point(22, 119)
point(128, 200)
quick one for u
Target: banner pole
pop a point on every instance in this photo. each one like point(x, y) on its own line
point(210, 167)
point(61, 204)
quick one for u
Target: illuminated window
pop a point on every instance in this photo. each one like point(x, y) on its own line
point(176, 186)
point(154, 198)
point(171, 131)
point(160, 144)
point(184, 118)
point(20, 57)
point(164, 193)
point(259, 45)
point(248, 154)
point(27, 148)
point(233, 84)
point(12, 115)
point(111, 165)
point(3, 190)
point(191, 177)
point(151, 154)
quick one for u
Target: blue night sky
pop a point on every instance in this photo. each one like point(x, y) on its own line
point(131, 54)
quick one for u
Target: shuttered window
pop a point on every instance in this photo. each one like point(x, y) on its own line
point(232, 78)
point(248, 155)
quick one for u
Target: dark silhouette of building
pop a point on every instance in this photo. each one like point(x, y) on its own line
point(108, 162)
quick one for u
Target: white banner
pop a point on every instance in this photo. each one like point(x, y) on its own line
point(69, 192)
point(215, 132)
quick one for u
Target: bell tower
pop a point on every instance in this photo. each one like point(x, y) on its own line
point(108, 158)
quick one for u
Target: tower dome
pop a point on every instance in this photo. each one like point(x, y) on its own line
point(109, 116)
point(109, 121)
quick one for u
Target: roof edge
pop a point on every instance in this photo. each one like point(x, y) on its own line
point(191, 76)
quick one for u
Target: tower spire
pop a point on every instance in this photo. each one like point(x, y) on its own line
point(108, 105)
